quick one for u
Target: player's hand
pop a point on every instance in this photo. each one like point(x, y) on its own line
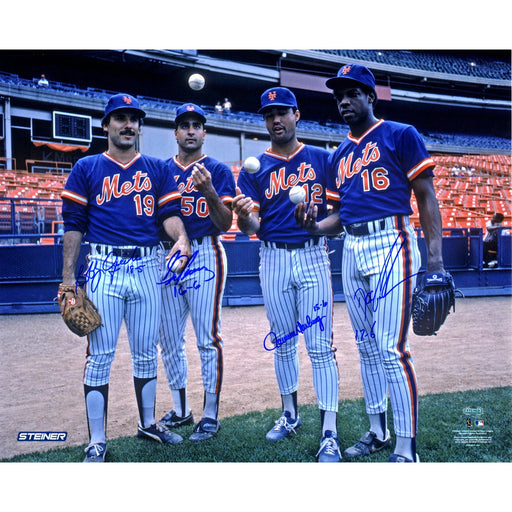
point(306, 217)
point(242, 205)
point(183, 245)
point(201, 178)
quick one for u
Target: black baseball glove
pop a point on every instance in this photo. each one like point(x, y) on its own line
point(432, 299)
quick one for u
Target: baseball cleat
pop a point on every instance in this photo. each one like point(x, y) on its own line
point(329, 448)
point(400, 458)
point(367, 445)
point(95, 452)
point(172, 420)
point(159, 432)
point(205, 429)
point(283, 427)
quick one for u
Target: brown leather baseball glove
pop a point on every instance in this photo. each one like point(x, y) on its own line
point(78, 311)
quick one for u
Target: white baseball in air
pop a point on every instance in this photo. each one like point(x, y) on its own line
point(196, 81)
point(251, 164)
point(297, 194)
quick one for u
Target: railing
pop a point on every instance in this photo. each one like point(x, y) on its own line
point(41, 166)
point(458, 140)
point(8, 166)
point(25, 220)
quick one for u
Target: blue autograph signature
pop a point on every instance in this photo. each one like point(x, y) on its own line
point(110, 265)
point(371, 299)
point(178, 279)
point(272, 339)
point(362, 334)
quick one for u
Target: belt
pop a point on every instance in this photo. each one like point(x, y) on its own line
point(168, 244)
point(373, 226)
point(121, 251)
point(289, 246)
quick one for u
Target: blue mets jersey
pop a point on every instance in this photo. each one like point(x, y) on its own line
point(374, 172)
point(194, 208)
point(269, 188)
point(119, 204)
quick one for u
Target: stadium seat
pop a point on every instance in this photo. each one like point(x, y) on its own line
point(6, 226)
point(26, 220)
point(47, 213)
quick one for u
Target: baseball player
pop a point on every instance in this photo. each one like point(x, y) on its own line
point(207, 188)
point(376, 167)
point(294, 266)
point(116, 201)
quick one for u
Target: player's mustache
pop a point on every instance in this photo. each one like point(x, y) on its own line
point(127, 131)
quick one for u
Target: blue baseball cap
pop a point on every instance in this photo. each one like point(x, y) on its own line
point(123, 101)
point(190, 108)
point(277, 97)
point(352, 75)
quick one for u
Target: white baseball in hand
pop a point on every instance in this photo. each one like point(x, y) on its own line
point(174, 263)
point(176, 266)
point(251, 164)
point(297, 194)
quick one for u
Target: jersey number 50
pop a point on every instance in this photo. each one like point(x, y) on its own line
point(201, 206)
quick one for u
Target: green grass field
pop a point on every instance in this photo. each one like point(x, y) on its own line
point(443, 435)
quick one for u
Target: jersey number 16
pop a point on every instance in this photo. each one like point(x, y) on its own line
point(377, 179)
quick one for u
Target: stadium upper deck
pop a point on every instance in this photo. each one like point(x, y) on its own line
point(24, 88)
point(493, 67)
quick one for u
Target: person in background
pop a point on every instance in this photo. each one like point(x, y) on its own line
point(43, 82)
point(491, 240)
point(226, 106)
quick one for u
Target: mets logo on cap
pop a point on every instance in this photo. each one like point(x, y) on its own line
point(123, 100)
point(353, 75)
point(277, 97)
point(190, 108)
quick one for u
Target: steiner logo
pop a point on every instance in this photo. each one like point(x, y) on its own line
point(42, 436)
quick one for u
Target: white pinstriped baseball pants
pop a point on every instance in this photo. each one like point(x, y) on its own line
point(200, 296)
point(131, 293)
point(379, 274)
point(296, 284)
